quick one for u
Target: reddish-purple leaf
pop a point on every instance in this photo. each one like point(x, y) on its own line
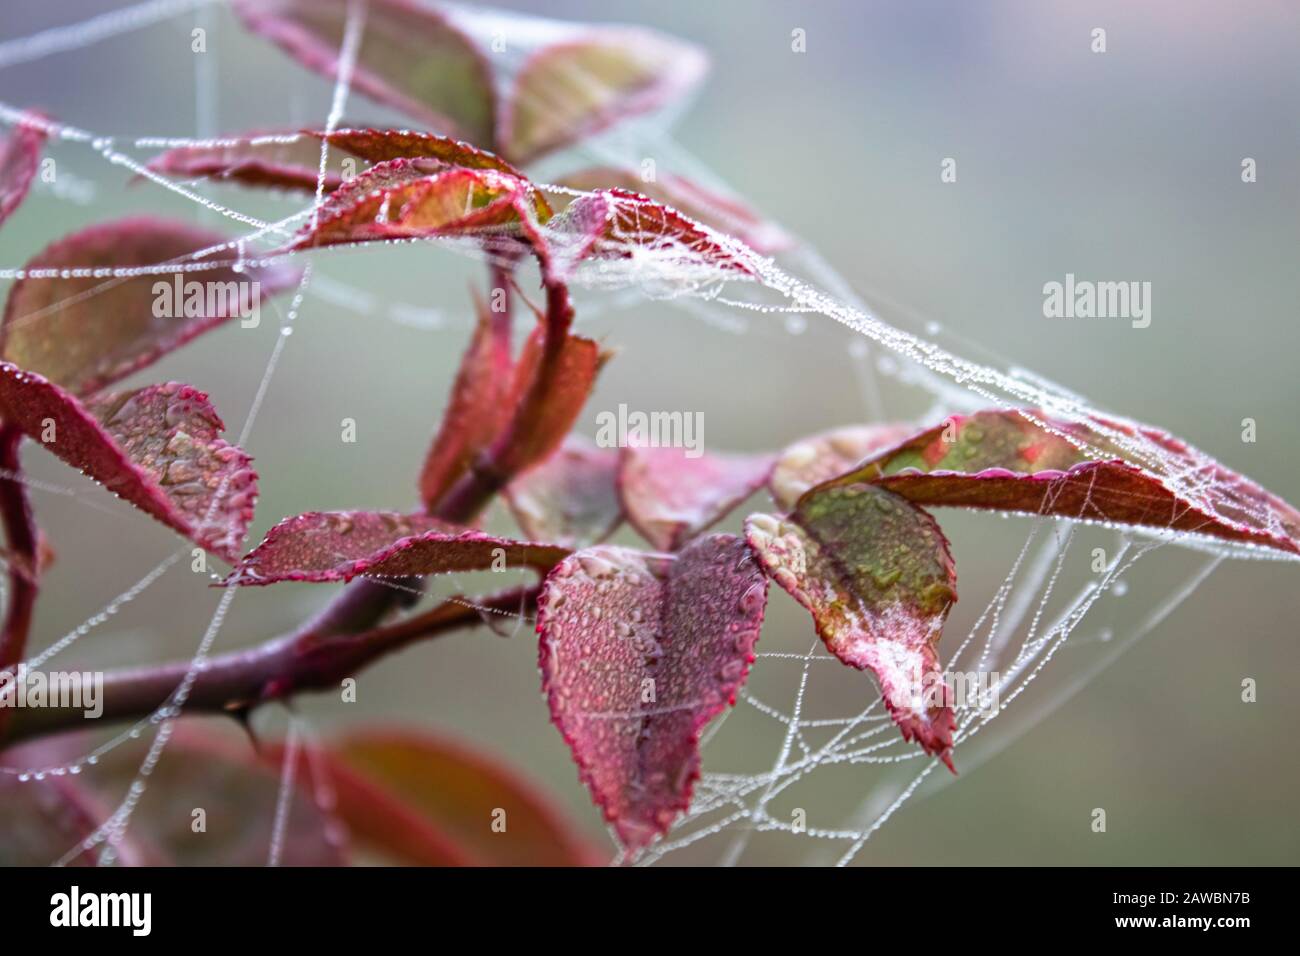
point(818, 458)
point(1004, 461)
point(571, 498)
point(670, 497)
point(288, 159)
point(599, 76)
point(85, 333)
point(340, 545)
point(478, 408)
point(20, 155)
point(416, 198)
point(413, 57)
point(875, 573)
point(638, 653)
point(422, 799)
point(551, 384)
point(616, 224)
point(157, 447)
point(719, 212)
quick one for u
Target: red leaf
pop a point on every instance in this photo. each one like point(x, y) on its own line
point(1001, 460)
point(85, 333)
point(719, 212)
point(548, 392)
point(810, 461)
point(287, 159)
point(670, 497)
point(416, 198)
point(156, 447)
point(340, 545)
point(413, 57)
point(615, 224)
point(20, 155)
point(571, 498)
point(875, 573)
point(638, 653)
point(378, 146)
point(425, 800)
point(567, 91)
point(478, 408)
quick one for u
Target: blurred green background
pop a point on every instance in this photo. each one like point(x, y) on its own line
point(1117, 166)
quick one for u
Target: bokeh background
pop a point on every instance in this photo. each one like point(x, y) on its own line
point(1117, 166)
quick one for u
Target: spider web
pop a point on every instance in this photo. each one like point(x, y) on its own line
point(1035, 615)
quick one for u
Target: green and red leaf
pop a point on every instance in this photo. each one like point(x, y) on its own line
point(416, 198)
point(83, 333)
point(157, 447)
point(638, 653)
point(875, 573)
point(819, 458)
point(413, 57)
point(1105, 471)
point(599, 76)
point(325, 546)
point(670, 496)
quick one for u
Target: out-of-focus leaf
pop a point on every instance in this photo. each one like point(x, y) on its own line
point(43, 819)
point(875, 573)
point(638, 653)
point(20, 155)
point(818, 458)
point(238, 795)
point(571, 498)
point(288, 159)
point(340, 545)
point(416, 198)
point(85, 333)
point(157, 447)
point(720, 212)
point(209, 802)
point(1004, 461)
point(422, 799)
point(670, 497)
point(413, 57)
point(568, 90)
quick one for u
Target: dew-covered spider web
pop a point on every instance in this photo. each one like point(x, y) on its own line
point(1055, 616)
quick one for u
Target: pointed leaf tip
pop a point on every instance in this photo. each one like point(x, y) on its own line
point(875, 573)
point(157, 447)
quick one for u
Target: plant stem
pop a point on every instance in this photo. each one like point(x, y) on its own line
point(234, 683)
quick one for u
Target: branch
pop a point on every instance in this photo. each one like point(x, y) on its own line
point(237, 682)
